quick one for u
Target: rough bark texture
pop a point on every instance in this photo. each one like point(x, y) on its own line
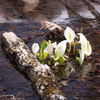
point(41, 76)
point(51, 27)
point(54, 31)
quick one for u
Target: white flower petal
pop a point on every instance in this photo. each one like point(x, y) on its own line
point(35, 48)
point(85, 45)
point(82, 37)
point(88, 49)
point(54, 44)
point(69, 34)
point(61, 47)
point(81, 56)
point(49, 49)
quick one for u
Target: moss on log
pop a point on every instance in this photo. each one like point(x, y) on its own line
point(41, 76)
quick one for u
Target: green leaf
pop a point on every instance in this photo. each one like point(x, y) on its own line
point(49, 63)
point(57, 56)
point(78, 60)
point(77, 52)
point(43, 46)
point(62, 60)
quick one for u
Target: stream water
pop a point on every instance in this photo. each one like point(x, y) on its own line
point(80, 15)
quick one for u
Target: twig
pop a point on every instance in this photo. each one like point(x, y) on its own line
point(3, 96)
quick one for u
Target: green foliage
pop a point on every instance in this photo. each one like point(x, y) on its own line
point(59, 58)
point(42, 56)
point(78, 61)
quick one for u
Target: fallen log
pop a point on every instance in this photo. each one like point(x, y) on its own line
point(41, 76)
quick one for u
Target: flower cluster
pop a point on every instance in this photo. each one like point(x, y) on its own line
point(53, 52)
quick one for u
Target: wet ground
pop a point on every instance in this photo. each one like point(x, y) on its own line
point(80, 15)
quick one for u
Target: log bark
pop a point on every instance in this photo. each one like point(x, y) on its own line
point(51, 27)
point(41, 76)
point(54, 31)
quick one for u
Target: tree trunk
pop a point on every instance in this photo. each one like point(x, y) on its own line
point(41, 76)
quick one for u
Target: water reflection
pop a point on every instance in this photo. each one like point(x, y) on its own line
point(8, 13)
point(58, 11)
point(96, 6)
point(80, 8)
point(30, 5)
point(61, 18)
point(86, 69)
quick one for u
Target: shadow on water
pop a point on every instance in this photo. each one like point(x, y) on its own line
point(81, 16)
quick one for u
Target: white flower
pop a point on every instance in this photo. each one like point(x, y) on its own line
point(35, 48)
point(85, 45)
point(86, 48)
point(61, 47)
point(69, 34)
point(49, 48)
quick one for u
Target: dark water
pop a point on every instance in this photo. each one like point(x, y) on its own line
point(77, 14)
